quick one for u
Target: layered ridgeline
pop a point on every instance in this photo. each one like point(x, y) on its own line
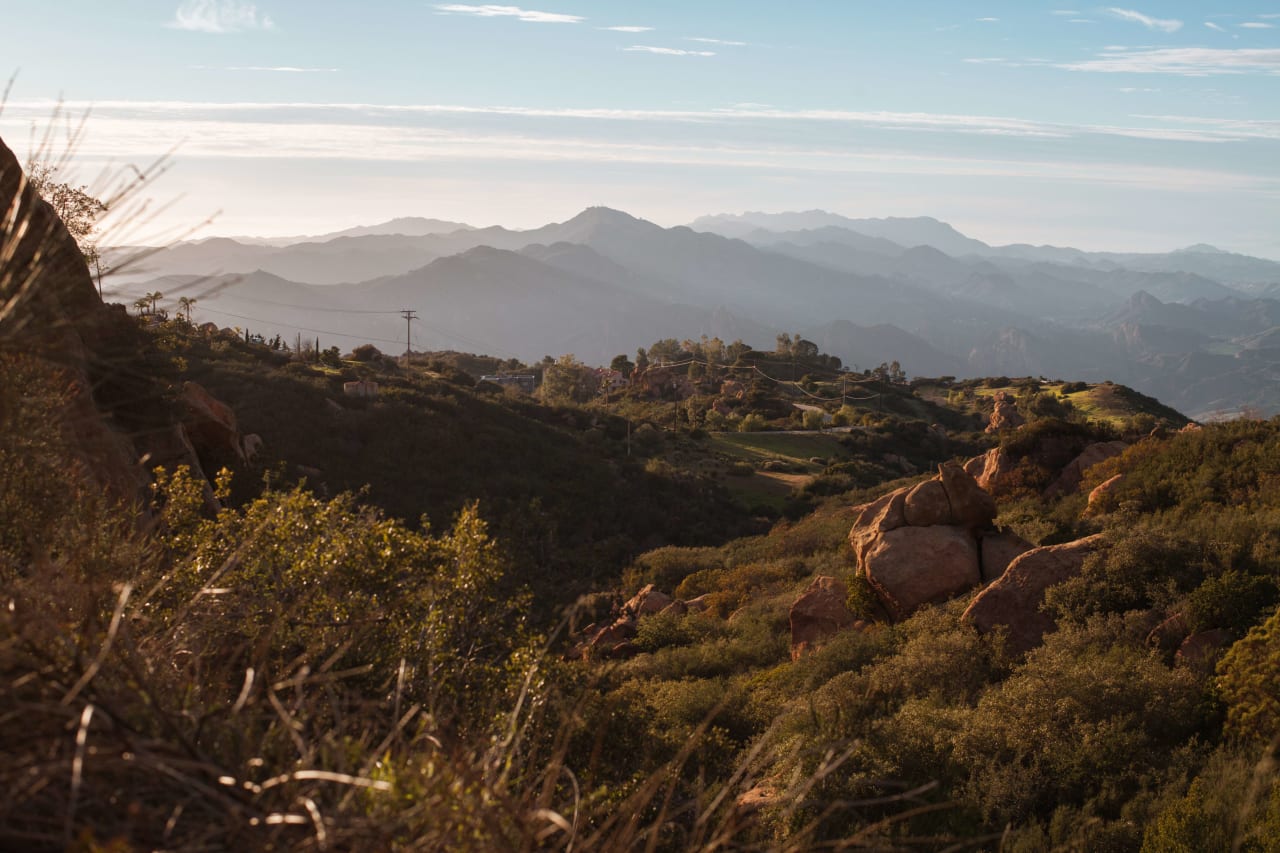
point(1194, 327)
point(747, 601)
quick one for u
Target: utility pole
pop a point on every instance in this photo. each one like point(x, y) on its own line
point(409, 316)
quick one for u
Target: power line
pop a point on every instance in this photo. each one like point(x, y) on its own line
point(409, 316)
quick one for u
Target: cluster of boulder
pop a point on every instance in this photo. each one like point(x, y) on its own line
point(1004, 415)
point(996, 468)
point(614, 640)
point(930, 542)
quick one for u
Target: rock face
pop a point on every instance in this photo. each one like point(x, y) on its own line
point(648, 600)
point(919, 544)
point(819, 613)
point(1072, 475)
point(1201, 651)
point(1005, 415)
point(1014, 600)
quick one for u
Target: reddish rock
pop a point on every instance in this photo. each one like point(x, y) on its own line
point(1014, 600)
point(1200, 651)
point(818, 613)
point(1099, 497)
point(1005, 415)
point(1068, 482)
point(606, 639)
point(252, 445)
point(927, 504)
point(646, 601)
point(998, 550)
point(870, 520)
point(913, 566)
point(209, 422)
point(990, 469)
point(971, 505)
point(759, 797)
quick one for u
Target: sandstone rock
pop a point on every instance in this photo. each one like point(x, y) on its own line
point(1014, 600)
point(927, 504)
point(871, 520)
point(971, 506)
point(606, 639)
point(990, 469)
point(646, 601)
point(998, 550)
point(209, 422)
point(1098, 497)
point(759, 797)
point(913, 566)
point(1072, 475)
point(1200, 651)
point(1005, 414)
point(818, 613)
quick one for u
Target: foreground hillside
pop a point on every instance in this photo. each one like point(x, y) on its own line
point(804, 634)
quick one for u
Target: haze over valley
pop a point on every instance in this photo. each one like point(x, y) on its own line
point(1198, 328)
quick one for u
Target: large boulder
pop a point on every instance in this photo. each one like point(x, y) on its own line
point(210, 423)
point(1013, 601)
point(913, 566)
point(1068, 482)
point(819, 613)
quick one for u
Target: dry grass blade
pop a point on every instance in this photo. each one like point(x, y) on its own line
point(94, 667)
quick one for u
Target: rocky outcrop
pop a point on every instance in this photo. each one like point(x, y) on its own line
point(51, 314)
point(991, 468)
point(1068, 482)
point(1102, 494)
point(209, 422)
point(1013, 602)
point(920, 544)
point(819, 613)
point(1005, 415)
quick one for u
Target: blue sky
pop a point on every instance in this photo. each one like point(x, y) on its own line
point(1142, 127)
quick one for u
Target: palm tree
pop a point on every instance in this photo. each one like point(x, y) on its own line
point(141, 304)
point(154, 296)
point(184, 305)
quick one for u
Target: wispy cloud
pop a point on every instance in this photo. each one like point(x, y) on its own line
point(987, 20)
point(717, 41)
point(1217, 27)
point(667, 51)
point(280, 69)
point(1164, 25)
point(1082, 21)
point(1066, 13)
point(219, 16)
point(1256, 25)
point(492, 11)
point(1185, 61)
point(629, 29)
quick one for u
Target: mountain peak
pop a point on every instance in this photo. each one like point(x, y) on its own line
point(1202, 249)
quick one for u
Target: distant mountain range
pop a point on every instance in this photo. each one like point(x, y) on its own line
point(1199, 327)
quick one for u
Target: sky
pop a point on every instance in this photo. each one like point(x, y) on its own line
point(1126, 128)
